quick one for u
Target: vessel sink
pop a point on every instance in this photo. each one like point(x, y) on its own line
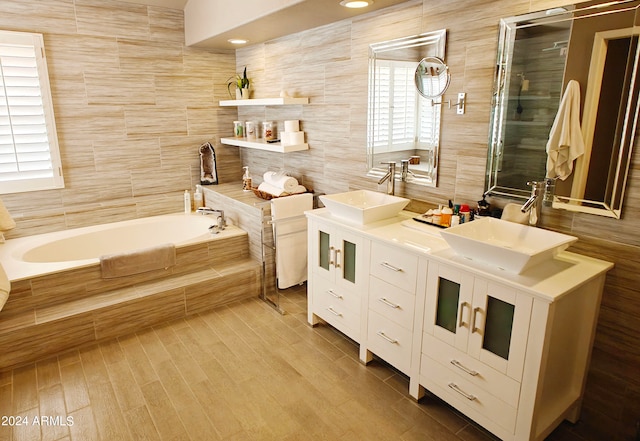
point(363, 206)
point(507, 245)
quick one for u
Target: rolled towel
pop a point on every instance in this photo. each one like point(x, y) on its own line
point(272, 189)
point(279, 179)
point(6, 221)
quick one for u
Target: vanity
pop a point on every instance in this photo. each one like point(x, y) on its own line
point(508, 350)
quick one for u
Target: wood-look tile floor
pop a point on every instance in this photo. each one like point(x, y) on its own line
point(241, 372)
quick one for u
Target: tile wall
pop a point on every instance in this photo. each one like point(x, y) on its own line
point(329, 65)
point(132, 106)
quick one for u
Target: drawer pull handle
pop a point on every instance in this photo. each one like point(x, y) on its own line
point(332, 256)
point(388, 303)
point(387, 338)
point(334, 294)
point(459, 365)
point(461, 322)
point(391, 267)
point(337, 264)
point(461, 392)
point(334, 312)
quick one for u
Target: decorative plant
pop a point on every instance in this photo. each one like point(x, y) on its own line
point(240, 81)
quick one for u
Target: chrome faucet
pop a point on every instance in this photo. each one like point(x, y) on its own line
point(390, 177)
point(221, 223)
point(533, 205)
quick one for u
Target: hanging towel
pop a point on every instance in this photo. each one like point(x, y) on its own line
point(138, 261)
point(5, 287)
point(565, 139)
point(290, 238)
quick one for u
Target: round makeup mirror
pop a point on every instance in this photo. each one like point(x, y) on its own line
point(432, 77)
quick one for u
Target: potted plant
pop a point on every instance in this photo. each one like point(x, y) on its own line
point(241, 82)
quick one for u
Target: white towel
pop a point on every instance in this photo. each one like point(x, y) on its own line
point(290, 237)
point(6, 221)
point(279, 179)
point(565, 139)
point(5, 287)
point(277, 191)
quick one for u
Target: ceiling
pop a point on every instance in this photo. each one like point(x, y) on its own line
point(299, 16)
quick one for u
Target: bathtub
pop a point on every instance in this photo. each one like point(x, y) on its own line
point(42, 254)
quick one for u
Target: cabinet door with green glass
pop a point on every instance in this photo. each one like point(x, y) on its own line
point(337, 255)
point(448, 304)
point(500, 320)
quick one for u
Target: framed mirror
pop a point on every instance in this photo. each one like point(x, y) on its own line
point(539, 54)
point(402, 123)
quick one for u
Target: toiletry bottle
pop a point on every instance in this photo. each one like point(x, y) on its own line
point(465, 213)
point(246, 179)
point(187, 202)
point(198, 198)
point(445, 216)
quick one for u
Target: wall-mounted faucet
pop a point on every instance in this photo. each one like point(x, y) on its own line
point(390, 177)
point(534, 204)
point(221, 223)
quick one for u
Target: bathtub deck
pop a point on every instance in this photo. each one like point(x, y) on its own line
point(58, 312)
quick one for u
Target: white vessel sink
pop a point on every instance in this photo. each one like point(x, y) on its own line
point(509, 246)
point(363, 206)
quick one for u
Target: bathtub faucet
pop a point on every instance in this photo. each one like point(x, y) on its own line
point(222, 222)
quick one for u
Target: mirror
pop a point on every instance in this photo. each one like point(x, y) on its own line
point(538, 55)
point(432, 77)
point(403, 125)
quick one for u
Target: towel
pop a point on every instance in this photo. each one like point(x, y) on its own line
point(281, 180)
point(565, 139)
point(6, 221)
point(290, 238)
point(5, 287)
point(138, 261)
point(277, 191)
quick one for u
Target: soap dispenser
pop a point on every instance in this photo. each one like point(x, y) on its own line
point(246, 179)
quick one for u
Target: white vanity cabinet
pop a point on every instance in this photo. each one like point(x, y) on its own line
point(393, 281)
point(474, 342)
point(338, 277)
point(509, 351)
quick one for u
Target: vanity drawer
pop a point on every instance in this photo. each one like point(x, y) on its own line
point(479, 374)
point(470, 399)
point(389, 341)
point(395, 304)
point(394, 265)
point(338, 308)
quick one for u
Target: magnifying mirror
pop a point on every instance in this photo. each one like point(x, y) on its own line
point(432, 77)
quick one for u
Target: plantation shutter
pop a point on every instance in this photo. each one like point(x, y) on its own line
point(402, 119)
point(29, 155)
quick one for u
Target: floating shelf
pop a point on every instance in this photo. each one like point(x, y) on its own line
point(261, 144)
point(265, 102)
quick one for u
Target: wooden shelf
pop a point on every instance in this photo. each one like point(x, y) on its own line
point(261, 144)
point(265, 102)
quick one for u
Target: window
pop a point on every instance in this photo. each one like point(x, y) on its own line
point(29, 155)
point(402, 119)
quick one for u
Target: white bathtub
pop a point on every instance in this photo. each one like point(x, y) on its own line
point(41, 254)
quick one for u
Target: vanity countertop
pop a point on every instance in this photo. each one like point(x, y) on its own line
point(549, 280)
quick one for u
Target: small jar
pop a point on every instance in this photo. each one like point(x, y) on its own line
point(465, 213)
point(250, 129)
point(269, 130)
point(238, 129)
point(445, 217)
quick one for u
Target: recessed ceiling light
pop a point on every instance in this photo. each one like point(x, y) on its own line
point(356, 3)
point(237, 41)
